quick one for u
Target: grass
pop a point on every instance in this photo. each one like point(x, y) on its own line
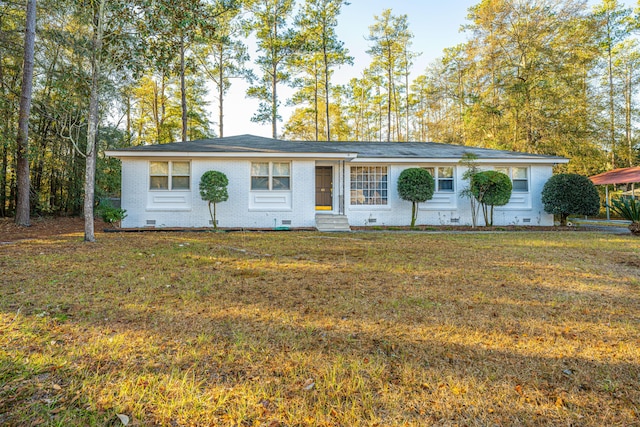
point(309, 329)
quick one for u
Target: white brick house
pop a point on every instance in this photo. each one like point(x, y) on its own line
point(275, 183)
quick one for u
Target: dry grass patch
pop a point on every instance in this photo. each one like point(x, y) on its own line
point(306, 329)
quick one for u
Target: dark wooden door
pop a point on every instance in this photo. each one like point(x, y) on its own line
point(324, 184)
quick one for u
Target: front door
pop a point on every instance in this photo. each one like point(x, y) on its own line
point(324, 185)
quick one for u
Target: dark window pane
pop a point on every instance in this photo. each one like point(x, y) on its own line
point(520, 185)
point(259, 183)
point(159, 183)
point(281, 183)
point(180, 183)
point(445, 185)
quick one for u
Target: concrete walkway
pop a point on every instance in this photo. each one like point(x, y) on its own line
point(612, 226)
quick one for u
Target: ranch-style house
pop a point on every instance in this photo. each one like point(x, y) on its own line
point(326, 185)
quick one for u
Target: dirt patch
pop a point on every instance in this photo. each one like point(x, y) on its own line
point(42, 227)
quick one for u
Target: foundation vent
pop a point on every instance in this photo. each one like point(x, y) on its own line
point(286, 222)
point(455, 220)
point(526, 220)
point(211, 222)
point(151, 222)
point(372, 220)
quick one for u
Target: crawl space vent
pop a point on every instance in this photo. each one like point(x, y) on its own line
point(455, 220)
point(211, 222)
point(151, 222)
point(373, 220)
point(286, 222)
point(526, 220)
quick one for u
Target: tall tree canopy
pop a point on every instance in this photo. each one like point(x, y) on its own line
point(544, 76)
point(320, 53)
point(277, 43)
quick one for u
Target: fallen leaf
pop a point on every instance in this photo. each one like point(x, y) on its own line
point(124, 419)
point(309, 384)
point(57, 387)
point(519, 389)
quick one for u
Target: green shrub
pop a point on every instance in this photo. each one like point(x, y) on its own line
point(628, 209)
point(490, 188)
point(213, 189)
point(570, 194)
point(415, 185)
point(109, 213)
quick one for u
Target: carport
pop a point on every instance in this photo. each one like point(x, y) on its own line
point(617, 176)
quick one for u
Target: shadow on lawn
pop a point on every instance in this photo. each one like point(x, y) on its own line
point(391, 344)
point(237, 349)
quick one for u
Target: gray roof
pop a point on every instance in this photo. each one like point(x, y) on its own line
point(256, 144)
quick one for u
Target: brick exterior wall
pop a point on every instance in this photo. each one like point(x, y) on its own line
point(296, 207)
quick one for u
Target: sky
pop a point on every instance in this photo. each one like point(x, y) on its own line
point(434, 23)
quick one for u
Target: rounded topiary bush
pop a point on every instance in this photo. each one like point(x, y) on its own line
point(570, 194)
point(415, 185)
point(213, 189)
point(491, 188)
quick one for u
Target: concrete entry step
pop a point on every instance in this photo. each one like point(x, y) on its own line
point(329, 222)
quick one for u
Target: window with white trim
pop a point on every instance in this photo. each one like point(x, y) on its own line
point(270, 176)
point(519, 177)
point(368, 185)
point(169, 175)
point(443, 177)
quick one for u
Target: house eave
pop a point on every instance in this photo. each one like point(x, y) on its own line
point(451, 160)
point(229, 155)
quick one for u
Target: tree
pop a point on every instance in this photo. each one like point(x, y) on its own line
point(415, 185)
point(469, 161)
point(90, 169)
point(213, 189)
point(613, 20)
point(570, 194)
point(321, 53)
point(24, 185)
point(276, 43)
point(491, 188)
point(390, 38)
point(226, 57)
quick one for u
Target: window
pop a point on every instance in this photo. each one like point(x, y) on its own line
point(443, 176)
point(270, 176)
point(369, 185)
point(169, 175)
point(519, 178)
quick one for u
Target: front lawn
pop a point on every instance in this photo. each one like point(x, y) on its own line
point(310, 329)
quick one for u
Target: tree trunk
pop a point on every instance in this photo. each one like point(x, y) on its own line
point(406, 97)
point(221, 93)
point(612, 113)
point(315, 101)
point(23, 206)
point(628, 95)
point(274, 103)
point(128, 100)
point(389, 97)
point(90, 169)
point(183, 90)
point(327, 95)
point(414, 214)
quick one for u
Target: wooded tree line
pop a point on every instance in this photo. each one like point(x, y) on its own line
point(544, 76)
